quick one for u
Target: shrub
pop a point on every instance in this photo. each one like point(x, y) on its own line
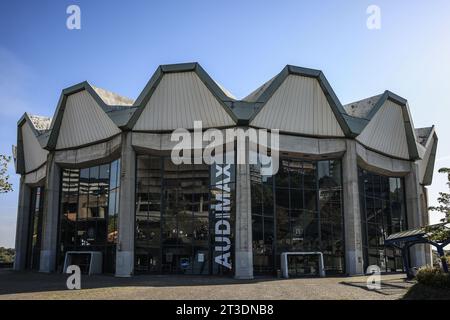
point(433, 277)
point(6, 255)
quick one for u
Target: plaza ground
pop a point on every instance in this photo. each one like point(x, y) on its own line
point(33, 285)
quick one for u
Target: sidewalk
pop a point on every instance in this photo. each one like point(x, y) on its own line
point(32, 285)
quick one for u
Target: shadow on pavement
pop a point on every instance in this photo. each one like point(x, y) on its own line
point(12, 282)
point(388, 287)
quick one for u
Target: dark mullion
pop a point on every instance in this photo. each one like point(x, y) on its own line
point(78, 209)
point(318, 202)
point(161, 211)
point(192, 221)
point(289, 201)
point(275, 235)
point(147, 182)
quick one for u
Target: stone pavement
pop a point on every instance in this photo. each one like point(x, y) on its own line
point(33, 285)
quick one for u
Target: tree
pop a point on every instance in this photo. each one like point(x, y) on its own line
point(5, 186)
point(440, 232)
point(6, 255)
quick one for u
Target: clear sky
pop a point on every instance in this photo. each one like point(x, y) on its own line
point(241, 44)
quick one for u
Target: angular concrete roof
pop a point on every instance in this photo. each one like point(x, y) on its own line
point(40, 123)
point(362, 108)
point(39, 127)
point(252, 97)
point(124, 112)
point(366, 110)
point(423, 134)
point(111, 98)
point(223, 97)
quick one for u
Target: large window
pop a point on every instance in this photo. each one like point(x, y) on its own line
point(89, 211)
point(298, 209)
point(383, 213)
point(35, 228)
point(173, 229)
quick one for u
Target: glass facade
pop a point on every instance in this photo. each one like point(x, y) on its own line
point(174, 229)
point(184, 221)
point(298, 209)
point(383, 212)
point(35, 228)
point(89, 211)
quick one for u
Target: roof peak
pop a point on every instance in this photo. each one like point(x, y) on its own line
point(40, 123)
point(111, 98)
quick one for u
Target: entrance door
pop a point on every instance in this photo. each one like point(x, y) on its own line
point(303, 265)
point(172, 217)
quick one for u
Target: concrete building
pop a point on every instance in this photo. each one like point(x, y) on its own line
point(98, 176)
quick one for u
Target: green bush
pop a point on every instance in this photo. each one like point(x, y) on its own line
point(433, 277)
point(6, 255)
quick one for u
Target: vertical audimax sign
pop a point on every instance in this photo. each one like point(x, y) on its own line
point(222, 218)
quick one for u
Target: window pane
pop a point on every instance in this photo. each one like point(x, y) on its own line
point(282, 177)
point(309, 175)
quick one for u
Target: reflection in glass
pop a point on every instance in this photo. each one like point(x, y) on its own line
point(382, 213)
point(172, 217)
point(305, 199)
point(89, 211)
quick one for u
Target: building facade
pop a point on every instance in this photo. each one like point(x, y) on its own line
point(98, 176)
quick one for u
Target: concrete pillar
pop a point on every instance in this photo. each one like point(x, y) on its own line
point(243, 236)
point(426, 221)
point(352, 212)
point(23, 224)
point(414, 214)
point(51, 216)
point(125, 246)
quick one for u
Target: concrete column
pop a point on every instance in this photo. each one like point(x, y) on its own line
point(414, 214)
point(426, 221)
point(51, 216)
point(125, 246)
point(23, 224)
point(243, 236)
point(352, 213)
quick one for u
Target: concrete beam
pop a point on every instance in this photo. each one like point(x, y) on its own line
point(313, 146)
point(90, 155)
point(36, 176)
point(381, 164)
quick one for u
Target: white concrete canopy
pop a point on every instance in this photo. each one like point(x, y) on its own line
point(428, 155)
point(386, 131)
point(84, 122)
point(180, 99)
point(34, 155)
point(299, 106)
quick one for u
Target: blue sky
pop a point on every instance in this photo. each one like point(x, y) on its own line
point(241, 44)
